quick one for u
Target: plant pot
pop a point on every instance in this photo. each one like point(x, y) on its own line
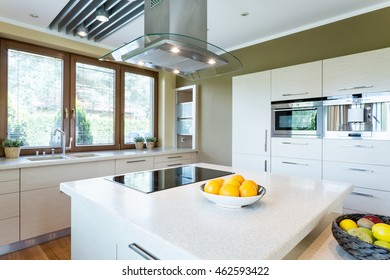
point(139, 145)
point(12, 152)
point(150, 145)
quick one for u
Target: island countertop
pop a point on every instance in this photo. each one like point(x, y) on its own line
point(183, 224)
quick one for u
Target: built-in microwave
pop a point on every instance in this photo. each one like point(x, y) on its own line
point(295, 118)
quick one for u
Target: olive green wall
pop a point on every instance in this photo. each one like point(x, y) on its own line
point(358, 34)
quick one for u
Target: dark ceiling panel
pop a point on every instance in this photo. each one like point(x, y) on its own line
point(83, 12)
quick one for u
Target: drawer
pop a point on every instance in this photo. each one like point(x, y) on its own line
point(296, 148)
point(175, 157)
point(9, 231)
point(359, 151)
point(133, 165)
point(173, 163)
point(9, 187)
point(368, 201)
point(375, 177)
point(9, 205)
point(9, 175)
point(296, 167)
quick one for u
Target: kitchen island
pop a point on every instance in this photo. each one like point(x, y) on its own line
point(180, 223)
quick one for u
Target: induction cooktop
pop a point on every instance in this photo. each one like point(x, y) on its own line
point(157, 180)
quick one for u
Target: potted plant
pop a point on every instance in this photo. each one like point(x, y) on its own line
point(12, 147)
point(139, 142)
point(150, 140)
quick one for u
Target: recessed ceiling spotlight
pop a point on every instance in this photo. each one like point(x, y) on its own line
point(176, 71)
point(244, 14)
point(34, 15)
point(141, 63)
point(175, 50)
point(102, 15)
point(212, 61)
point(81, 30)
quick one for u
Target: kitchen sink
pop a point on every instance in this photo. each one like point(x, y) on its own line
point(39, 158)
point(85, 155)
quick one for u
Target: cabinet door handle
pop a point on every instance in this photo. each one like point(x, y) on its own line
point(360, 170)
point(292, 94)
point(175, 164)
point(292, 143)
point(295, 163)
point(135, 161)
point(362, 194)
point(142, 252)
point(265, 165)
point(174, 157)
point(358, 146)
point(357, 87)
point(266, 140)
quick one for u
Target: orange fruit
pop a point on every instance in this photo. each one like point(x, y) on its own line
point(229, 190)
point(221, 180)
point(239, 178)
point(232, 182)
point(247, 190)
point(250, 183)
point(212, 186)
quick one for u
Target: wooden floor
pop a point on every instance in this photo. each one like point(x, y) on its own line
point(58, 249)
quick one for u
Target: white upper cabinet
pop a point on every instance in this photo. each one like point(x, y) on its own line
point(357, 73)
point(251, 113)
point(297, 82)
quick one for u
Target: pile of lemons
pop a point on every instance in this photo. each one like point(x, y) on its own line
point(236, 185)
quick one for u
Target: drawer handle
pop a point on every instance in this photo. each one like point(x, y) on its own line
point(175, 157)
point(135, 161)
point(291, 143)
point(142, 252)
point(295, 163)
point(360, 170)
point(358, 146)
point(357, 87)
point(175, 164)
point(292, 94)
point(362, 194)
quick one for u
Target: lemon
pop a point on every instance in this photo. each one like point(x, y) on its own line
point(212, 186)
point(239, 178)
point(229, 190)
point(347, 224)
point(247, 190)
point(250, 183)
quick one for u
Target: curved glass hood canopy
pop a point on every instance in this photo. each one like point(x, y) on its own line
point(183, 55)
point(175, 41)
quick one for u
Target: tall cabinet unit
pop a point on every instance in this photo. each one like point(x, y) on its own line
point(251, 121)
point(186, 117)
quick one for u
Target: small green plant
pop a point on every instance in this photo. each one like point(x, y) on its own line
point(12, 143)
point(139, 139)
point(150, 139)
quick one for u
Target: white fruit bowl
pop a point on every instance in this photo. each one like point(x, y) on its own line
point(233, 201)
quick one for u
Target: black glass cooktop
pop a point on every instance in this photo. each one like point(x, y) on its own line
point(157, 180)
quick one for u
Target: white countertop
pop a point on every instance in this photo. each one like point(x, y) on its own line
point(23, 161)
point(182, 218)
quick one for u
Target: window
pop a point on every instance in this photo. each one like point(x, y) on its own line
point(99, 105)
point(95, 105)
point(138, 106)
point(35, 95)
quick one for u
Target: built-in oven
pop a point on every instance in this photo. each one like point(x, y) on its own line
point(297, 118)
point(357, 116)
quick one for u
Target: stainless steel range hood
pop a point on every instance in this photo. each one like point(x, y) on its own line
point(176, 40)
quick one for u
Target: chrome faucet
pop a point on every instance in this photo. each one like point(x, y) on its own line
point(62, 139)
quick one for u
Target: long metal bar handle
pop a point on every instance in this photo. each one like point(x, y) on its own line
point(357, 87)
point(142, 252)
point(171, 157)
point(358, 146)
point(361, 170)
point(292, 143)
point(295, 163)
point(266, 141)
point(293, 94)
point(265, 165)
point(135, 161)
point(362, 194)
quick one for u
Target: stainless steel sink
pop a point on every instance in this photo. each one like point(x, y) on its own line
point(84, 155)
point(39, 158)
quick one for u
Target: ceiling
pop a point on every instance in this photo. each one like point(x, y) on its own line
point(227, 27)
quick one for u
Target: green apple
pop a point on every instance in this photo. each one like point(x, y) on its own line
point(361, 234)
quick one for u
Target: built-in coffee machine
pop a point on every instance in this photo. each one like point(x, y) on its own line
point(359, 115)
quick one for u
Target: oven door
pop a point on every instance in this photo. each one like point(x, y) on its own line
point(301, 121)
